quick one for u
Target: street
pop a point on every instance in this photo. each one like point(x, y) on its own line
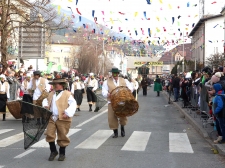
point(156, 137)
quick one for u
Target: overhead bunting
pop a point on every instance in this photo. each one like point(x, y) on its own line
point(135, 14)
point(148, 2)
point(149, 32)
point(173, 19)
point(78, 11)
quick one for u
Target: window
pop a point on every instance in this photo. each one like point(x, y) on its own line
point(56, 60)
point(153, 69)
point(56, 49)
point(66, 49)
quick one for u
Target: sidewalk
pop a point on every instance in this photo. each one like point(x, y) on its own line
point(194, 119)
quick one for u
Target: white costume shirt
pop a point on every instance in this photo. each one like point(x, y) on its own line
point(37, 92)
point(135, 86)
point(92, 83)
point(79, 86)
point(105, 88)
point(2, 89)
point(70, 111)
point(25, 90)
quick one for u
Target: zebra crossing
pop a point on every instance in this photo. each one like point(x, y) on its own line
point(137, 141)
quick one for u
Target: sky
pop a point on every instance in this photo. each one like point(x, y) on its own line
point(168, 20)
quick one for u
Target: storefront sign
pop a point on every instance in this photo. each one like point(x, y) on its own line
point(159, 63)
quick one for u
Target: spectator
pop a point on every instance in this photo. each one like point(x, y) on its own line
point(157, 85)
point(176, 86)
point(144, 84)
point(219, 111)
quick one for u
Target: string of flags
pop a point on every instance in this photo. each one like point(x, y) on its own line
point(152, 32)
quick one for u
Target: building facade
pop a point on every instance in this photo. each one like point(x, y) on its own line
point(207, 38)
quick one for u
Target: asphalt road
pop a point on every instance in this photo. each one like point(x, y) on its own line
point(156, 137)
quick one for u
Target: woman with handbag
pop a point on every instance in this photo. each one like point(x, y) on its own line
point(77, 89)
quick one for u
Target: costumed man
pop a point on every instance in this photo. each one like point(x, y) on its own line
point(77, 89)
point(135, 87)
point(92, 86)
point(26, 110)
point(63, 106)
point(107, 87)
point(38, 84)
point(4, 95)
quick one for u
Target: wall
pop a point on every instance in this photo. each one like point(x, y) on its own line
point(197, 42)
point(59, 54)
point(215, 35)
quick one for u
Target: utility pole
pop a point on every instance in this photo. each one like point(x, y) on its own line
point(183, 55)
point(103, 59)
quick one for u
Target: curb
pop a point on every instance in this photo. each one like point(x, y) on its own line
point(219, 147)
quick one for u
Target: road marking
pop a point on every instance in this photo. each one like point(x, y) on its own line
point(1, 166)
point(25, 153)
point(5, 130)
point(95, 140)
point(92, 118)
point(44, 144)
point(179, 143)
point(137, 141)
point(11, 140)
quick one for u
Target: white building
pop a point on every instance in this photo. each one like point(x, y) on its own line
point(207, 38)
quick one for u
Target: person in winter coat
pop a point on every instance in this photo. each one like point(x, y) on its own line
point(218, 105)
point(157, 85)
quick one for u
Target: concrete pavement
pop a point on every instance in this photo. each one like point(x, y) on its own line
point(156, 137)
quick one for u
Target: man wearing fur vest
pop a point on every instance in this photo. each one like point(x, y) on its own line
point(63, 107)
point(107, 87)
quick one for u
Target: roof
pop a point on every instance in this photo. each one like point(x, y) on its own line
point(201, 21)
point(169, 55)
point(61, 39)
point(223, 10)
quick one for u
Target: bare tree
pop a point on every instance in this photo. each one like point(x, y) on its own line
point(15, 13)
point(216, 60)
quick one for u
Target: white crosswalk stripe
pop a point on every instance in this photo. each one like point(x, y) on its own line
point(95, 140)
point(11, 140)
point(1, 166)
point(24, 153)
point(5, 130)
point(179, 143)
point(137, 141)
point(44, 144)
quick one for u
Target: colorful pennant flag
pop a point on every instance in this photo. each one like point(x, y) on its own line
point(173, 19)
point(78, 11)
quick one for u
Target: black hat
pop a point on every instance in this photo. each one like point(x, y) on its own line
point(58, 80)
point(115, 70)
point(37, 73)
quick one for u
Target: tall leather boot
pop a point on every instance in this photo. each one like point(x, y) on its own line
point(115, 133)
point(90, 107)
point(3, 117)
point(122, 131)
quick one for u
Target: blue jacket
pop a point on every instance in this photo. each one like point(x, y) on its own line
point(218, 100)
